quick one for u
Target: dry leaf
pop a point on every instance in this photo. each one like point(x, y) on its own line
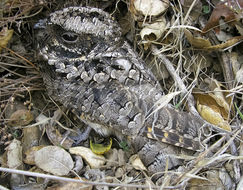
point(31, 137)
point(235, 62)
point(219, 96)
point(21, 117)
point(228, 43)
point(223, 36)
point(115, 158)
point(54, 159)
point(112, 157)
point(30, 155)
point(211, 111)
point(150, 7)
point(222, 10)
point(220, 99)
point(197, 42)
point(120, 172)
point(94, 160)
point(205, 44)
point(53, 134)
point(14, 154)
point(137, 163)
point(153, 31)
point(213, 116)
point(5, 36)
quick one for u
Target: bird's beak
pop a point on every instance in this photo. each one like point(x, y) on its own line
point(41, 24)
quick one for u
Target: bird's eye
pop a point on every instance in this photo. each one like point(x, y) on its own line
point(117, 67)
point(70, 37)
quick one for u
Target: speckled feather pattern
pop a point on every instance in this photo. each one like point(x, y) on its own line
point(89, 68)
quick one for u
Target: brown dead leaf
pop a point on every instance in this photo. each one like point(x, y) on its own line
point(222, 10)
point(115, 158)
point(220, 96)
point(205, 44)
point(212, 115)
point(197, 42)
point(205, 99)
point(21, 117)
point(211, 111)
point(228, 43)
point(239, 75)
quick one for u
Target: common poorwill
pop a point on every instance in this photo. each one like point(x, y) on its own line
point(89, 68)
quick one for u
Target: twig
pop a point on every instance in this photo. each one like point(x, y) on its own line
point(47, 176)
point(176, 78)
point(26, 60)
point(226, 61)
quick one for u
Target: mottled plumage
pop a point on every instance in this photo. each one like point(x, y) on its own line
point(89, 68)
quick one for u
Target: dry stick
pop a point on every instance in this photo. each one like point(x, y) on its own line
point(225, 60)
point(204, 154)
point(176, 78)
point(26, 60)
point(12, 72)
point(183, 88)
point(47, 176)
point(184, 177)
point(19, 16)
point(181, 85)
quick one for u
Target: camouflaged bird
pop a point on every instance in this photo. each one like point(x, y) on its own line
point(89, 68)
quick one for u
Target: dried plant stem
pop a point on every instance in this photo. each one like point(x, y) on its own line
point(21, 57)
point(226, 61)
point(182, 87)
point(176, 78)
point(47, 176)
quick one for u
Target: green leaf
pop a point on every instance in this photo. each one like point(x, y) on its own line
point(206, 9)
point(124, 145)
point(238, 111)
